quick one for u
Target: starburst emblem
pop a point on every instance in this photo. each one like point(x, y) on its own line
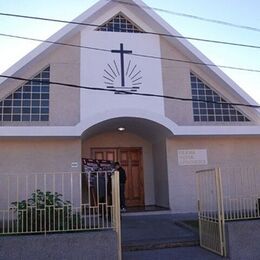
point(120, 77)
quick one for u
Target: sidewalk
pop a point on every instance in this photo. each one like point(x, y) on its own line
point(156, 231)
point(161, 237)
point(180, 253)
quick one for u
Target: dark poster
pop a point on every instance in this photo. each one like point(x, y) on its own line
point(93, 165)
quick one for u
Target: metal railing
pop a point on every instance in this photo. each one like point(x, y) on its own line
point(210, 211)
point(226, 194)
point(59, 202)
point(241, 192)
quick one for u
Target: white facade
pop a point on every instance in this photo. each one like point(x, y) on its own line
point(105, 70)
point(173, 144)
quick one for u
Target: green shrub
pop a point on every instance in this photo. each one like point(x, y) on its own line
point(45, 211)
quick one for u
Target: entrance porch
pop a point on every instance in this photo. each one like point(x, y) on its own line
point(140, 147)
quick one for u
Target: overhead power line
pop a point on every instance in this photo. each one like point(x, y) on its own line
point(127, 92)
point(146, 32)
point(133, 54)
point(200, 18)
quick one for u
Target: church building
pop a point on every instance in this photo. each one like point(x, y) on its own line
point(95, 90)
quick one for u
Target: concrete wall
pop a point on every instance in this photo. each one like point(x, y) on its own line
point(66, 246)
point(176, 81)
point(39, 155)
point(161, 174)
point(64, 67)
point(118, 140)
point(223, 152)
point(34, 158)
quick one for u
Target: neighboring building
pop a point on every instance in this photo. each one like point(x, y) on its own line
point(49, 127)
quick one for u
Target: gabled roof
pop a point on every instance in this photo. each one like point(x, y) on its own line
point(191, 52)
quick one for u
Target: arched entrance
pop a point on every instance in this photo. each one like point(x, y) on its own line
point(140, 146)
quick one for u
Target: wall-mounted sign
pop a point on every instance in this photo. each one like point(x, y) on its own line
point(74, 165)
point(192, 157)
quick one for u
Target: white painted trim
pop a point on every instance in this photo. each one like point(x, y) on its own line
point(121, 8)
point(39, 131)
point(77, 131)
point(217, 130)
point(131, 113)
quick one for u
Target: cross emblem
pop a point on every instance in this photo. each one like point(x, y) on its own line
point(124, 74)
point(122, 52)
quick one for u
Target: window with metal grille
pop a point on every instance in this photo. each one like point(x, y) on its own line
point(210, 112)
point(28, 103)
point(119, 23)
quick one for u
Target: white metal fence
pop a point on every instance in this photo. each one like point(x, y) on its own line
point(226, 194)
point(58, 202)
point(211, 211)
point(241, 192)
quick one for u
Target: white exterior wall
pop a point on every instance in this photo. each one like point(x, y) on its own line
point(39, 160)
point(74, 111)
point(37, 155)
point(78, 110)
point(161, 186)
point(225, 152)
point(93, 64)
point(64, 65)
point(176, 82)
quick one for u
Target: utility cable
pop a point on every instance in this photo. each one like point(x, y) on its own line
point(221, 22)
point(129, 93)
point(133, 54)
point(146, 32)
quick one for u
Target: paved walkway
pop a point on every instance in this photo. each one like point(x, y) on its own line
point(161, 237)
point(180, 253)
point(154, 231)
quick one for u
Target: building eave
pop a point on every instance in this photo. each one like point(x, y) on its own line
point(77, 131)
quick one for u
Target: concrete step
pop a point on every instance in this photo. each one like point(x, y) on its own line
point(162, 244)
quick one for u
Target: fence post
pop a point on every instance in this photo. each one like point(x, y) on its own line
point(116, 210)
point(221, 213)
point(211, 211)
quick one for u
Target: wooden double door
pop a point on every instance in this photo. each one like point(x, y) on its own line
point(131, 160)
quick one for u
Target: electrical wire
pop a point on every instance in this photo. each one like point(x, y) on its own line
point(146, 32)
point(133, 54)
point(128, 93)
point(221, 22)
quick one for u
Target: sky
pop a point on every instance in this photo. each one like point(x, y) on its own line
point(234, 11)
